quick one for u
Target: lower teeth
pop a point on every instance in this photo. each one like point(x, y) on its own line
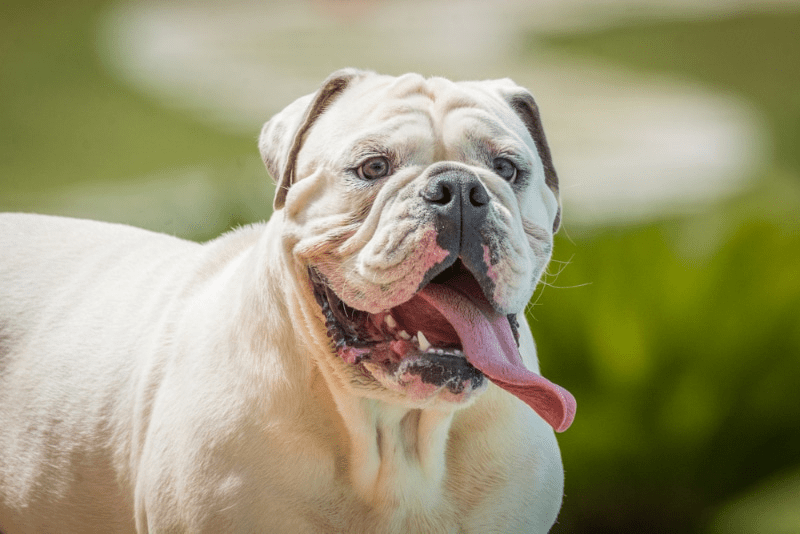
point(450, 352)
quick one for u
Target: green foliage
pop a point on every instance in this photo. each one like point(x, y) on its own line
point(683, 348)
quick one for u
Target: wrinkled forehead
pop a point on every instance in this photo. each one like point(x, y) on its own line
point(411, 104)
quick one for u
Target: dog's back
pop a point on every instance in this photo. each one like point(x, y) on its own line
point(67, 330)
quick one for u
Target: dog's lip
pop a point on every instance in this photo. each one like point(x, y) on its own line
point(405, 323)
point(456, 311)
point(411, 338)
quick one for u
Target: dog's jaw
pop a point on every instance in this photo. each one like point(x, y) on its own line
point(460, 340)
point(391, 347)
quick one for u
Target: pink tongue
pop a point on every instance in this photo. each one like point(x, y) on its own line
point(489, 345)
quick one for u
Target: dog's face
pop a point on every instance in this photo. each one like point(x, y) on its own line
point(421, 213)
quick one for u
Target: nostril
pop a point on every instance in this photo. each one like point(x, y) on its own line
point(438, 192)
point(478, 196)
point(456, 188)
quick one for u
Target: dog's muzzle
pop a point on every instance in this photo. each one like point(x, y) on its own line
point(449, 336)
point(446, 337)
point(409, 342)
point(460, 206)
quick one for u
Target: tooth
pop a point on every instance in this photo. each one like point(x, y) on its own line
point(405, 335)
point(390, 322)
point(423, 342)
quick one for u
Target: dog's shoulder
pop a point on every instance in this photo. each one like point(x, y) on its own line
point(507, 453)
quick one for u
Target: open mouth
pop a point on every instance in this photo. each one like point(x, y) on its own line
point(446, 338)
point(410, 343)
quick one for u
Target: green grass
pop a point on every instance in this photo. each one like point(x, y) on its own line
point(683, 349)
point(67, 123)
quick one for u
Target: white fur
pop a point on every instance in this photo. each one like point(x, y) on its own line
point(150, 384)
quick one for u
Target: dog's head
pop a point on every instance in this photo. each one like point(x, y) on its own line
point(421, 213)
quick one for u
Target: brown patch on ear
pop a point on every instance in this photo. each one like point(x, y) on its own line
point(331, 88)
point(525, 106)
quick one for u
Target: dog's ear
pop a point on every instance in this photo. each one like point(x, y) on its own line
point(523, 104)
point(282, 136)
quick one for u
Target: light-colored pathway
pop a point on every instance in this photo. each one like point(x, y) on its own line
point(626, 147)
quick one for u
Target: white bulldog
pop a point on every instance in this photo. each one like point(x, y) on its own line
point(359, 363)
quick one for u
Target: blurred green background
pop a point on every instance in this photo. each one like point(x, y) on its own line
point(679, 336)
point(684, 349)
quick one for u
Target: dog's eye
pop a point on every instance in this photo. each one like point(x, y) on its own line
point(374, 168)
point(505, 169)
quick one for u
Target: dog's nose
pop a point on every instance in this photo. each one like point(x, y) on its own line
point(458, 196)
point(459, 204)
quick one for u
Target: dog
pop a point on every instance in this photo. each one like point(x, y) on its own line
point(358, 363)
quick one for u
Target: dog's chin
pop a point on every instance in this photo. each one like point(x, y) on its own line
point(411, 349)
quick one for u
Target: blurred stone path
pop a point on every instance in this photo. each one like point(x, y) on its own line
point(626, 147)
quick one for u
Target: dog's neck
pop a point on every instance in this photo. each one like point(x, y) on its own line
point(397, 454)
